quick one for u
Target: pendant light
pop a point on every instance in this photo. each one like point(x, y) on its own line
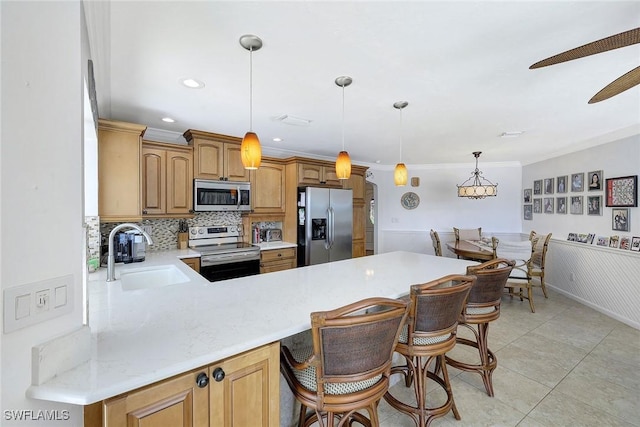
point(343, 162)
point(400, 174)
point(250, 150)
point(477, 187)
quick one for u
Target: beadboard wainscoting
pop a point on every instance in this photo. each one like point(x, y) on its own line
point(605, 279)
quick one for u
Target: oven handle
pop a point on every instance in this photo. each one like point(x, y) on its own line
point(239, 197)
point(206, 261)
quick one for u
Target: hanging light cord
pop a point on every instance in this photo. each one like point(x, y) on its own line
point(401, 135)
point(251, 89)
point(342, 117)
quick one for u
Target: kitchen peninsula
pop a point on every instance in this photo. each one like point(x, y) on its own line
point(144, 336)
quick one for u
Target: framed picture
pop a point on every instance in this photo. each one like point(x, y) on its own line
point(537, 205)
point(625, 243)
point(594, 181)
point(548, 205)
point(594, 205)
point(577, 182)
point(537, 186)
point(527, 195)
point(576, 205)
point(602, 241)
point(528, 212)
point(561, 184)
point(622, 191)
point(590, 238)
point(561, 205)
point(620, 219)
point(635, 244)
point(613, 241)
point(548, 186)
point(572, 237)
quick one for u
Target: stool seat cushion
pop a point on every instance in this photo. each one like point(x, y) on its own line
point(308, 378)
point(480, 310)
point(422, 340)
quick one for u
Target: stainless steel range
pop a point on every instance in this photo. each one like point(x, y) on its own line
point(223, 254)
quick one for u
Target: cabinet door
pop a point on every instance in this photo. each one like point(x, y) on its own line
point(177, 402)
point(330, 177)
point(249, 393)
point(355, 183)
point(179, 182)
point(234, 170)
point(119, 171)
point(277, 260)
point(153, 181)
point(194, 263)
point(310, 174)
point(267, 188)
point(359, 218)
point(208, 159)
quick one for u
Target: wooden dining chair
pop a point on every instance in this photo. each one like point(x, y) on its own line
point(483, 307)
point(429, 334)
point(467, 233)
point(347, 369)
point(435, 240)
point(540, 243)
point(519, 281)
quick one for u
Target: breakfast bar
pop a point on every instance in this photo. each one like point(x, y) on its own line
point(142, 336)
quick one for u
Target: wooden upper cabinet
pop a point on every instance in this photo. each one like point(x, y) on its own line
point(167, 179)
point(119, 146)
point(317, 174)
point(216, 156)
point(268, 187)
point(356, 183)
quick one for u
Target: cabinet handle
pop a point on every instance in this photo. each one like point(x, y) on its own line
point(202, 380)
point(144, 211)
point(218, 374)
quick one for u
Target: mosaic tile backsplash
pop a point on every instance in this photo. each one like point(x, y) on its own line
point(164, 232)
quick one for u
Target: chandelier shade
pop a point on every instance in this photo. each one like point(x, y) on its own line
point(477, 187)
point(343, 161)
point(250, 150)
point(400, 175)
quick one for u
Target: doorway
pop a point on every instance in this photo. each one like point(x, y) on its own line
point(370, 190)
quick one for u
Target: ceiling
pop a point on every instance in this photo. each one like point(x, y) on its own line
point(463, 67)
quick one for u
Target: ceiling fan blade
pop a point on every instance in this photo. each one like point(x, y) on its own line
point(626, 38)
point(622, 83)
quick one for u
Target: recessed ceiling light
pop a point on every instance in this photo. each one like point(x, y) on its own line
point(276, 139)
point(192, 83)
point(168, 120)
point(511, 134)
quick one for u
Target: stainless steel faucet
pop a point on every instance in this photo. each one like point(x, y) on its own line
point(111, 260)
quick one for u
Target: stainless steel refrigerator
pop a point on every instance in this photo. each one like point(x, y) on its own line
point(325, 225)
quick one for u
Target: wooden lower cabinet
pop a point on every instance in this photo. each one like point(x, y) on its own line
point(277, 259)
point(242, 391)
point(193, 263)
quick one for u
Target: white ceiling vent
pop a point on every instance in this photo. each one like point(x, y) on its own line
point(292, 120)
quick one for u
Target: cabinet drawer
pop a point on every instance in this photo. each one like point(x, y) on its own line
point(270, 267)
point(277, 254)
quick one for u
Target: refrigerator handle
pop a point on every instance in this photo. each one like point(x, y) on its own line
point(327, 235)
point(332, 229)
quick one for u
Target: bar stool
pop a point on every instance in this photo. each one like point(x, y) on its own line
point(483, 306)
point(347, 370)
point(429, 333)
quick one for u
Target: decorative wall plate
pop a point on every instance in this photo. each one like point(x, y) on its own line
point(410, 200)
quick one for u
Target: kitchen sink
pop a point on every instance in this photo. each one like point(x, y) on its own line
point(152, 277)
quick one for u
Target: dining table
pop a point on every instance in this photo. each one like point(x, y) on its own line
point(469, 249)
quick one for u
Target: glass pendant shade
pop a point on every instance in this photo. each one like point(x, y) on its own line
point(250, 151)
point(343, 165)
point(400, 175)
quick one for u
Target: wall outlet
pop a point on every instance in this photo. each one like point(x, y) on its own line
point(42, 300)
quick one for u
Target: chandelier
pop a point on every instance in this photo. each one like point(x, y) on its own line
point(477, 187)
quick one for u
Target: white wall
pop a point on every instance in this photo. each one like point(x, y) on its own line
point(440, 207)
point(40, 177)
point(603, 278)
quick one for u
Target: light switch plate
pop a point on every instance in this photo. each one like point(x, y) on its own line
point(32, 303)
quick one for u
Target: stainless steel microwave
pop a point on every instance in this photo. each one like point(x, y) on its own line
point(209, 195)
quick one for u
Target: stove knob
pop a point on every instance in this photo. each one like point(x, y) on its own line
point(233, 229)
point(193, 231)
point(201, 230)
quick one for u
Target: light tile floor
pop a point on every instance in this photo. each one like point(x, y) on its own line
point(564, 365)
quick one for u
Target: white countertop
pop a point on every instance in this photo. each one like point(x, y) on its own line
point(144, 336)
point(265, 246)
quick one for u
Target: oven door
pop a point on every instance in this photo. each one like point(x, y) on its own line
point(214, 268)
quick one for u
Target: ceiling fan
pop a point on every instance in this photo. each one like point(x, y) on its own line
point(622, 83)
